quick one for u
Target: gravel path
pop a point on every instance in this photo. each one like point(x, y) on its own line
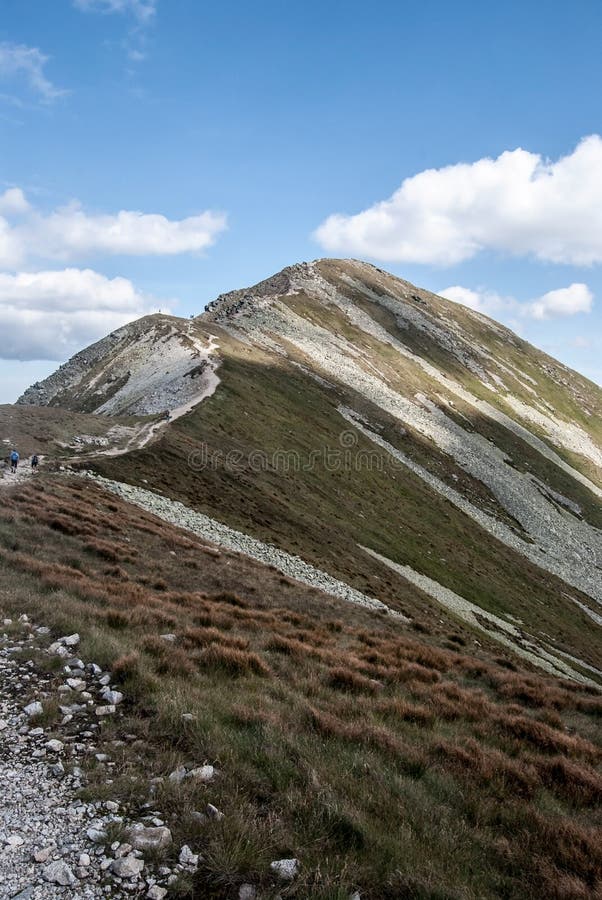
point(52, 844)
point(8, 478)
point(39, 812)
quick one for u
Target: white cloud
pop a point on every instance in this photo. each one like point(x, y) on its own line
point(577, 298)
point(13, 202)
point(519, 203)
point(480, 300)
point(20, 62)
point(69, 233)
point(568, 301)
point(52, 314)
point(142, 10)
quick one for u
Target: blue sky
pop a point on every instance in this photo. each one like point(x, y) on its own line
point(154, 153)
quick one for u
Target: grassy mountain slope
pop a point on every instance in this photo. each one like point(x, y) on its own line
point(415, 450)
point(272, 452)
point(382, 760)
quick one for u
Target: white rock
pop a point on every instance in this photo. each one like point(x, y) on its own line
point(59, 873)
point(112, 697)
point(72, 640)
point(214, 813)
point(127, 866)
point(105, 710)
point(15, 840)
point(203, 773)
point(187, 858)
point(156, 892)
point(247, 892)
point(96, 835)
point(147, 839)
point(42, 856)
point(54, 745)
point(168, 637)
point(84, 860)
point(286, 869)
point(34, 709)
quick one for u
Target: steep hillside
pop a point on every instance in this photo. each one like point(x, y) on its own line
point(156, 364)
point(414, 449)
point(384, 763)
point(350, 553)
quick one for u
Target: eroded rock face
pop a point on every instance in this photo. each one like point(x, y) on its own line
point(154, 365)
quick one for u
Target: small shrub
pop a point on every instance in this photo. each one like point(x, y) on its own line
point(126, 666)
point(230, 598)
point(343, 679)
point(116, 619)
point(579, 784)
point(201, 637)
point(233, 661)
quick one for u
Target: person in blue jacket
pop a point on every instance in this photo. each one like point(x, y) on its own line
point(14, 461)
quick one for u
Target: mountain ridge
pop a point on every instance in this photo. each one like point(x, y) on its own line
point(469, 412)
point(342, 538)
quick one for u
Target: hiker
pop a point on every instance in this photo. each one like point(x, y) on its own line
point(14, 461)
point(34, 462)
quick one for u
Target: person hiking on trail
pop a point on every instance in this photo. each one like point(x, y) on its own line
point(34, 462)
point(14, 461)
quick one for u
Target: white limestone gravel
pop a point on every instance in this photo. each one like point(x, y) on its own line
point(178, 514)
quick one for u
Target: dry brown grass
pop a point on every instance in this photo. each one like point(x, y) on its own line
point(345, 679)
point(232, 660)
point(320, 717)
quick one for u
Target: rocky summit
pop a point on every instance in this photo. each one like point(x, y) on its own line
point(332, 551)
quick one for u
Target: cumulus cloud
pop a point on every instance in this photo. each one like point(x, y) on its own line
point(142, 10)
point(18, 62)
point(13, 202)
point(52, 314)
point(518, 203)
point(568, 301)
point(69, 232)
point(577, 298)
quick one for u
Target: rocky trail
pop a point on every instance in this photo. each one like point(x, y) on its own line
point(7, 478)
point(52, 843)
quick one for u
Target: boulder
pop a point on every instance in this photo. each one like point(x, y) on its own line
point(188, 859)
point(127, 867)
point(285, 869)
point(59, 873)
point(149, 838)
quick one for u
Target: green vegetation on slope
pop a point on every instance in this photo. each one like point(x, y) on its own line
point(322, 511)
point(384, 762)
